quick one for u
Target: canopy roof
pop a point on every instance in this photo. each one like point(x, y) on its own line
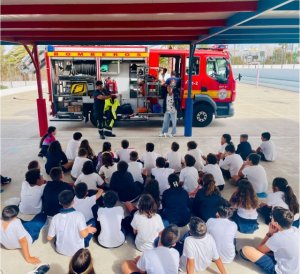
point(149, 21)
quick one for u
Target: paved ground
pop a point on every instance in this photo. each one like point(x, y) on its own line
point(257, 110)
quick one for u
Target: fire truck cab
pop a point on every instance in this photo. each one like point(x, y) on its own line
point(131, 73)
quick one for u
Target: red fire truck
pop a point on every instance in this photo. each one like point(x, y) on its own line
point(132, 72)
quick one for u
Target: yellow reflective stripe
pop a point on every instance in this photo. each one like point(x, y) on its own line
point(211, 93)
point(99, 54)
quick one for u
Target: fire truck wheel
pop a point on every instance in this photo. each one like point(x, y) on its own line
point(202, 115)
point(93, 120)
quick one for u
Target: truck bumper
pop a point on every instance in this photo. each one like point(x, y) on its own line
point(224, 110)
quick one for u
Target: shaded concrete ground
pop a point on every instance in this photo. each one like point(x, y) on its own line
point(257, 110)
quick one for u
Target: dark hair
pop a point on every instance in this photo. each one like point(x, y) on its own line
point(99, 83)
point(56, 173)
point(133, 156)
point(33, 164)
point(189, 160)
point(266, 135)
point(192, 145)
point(49, 132)
point(66, 198)
point(198, 227)
point(254, 158)
point(10, 212)
point(227, 138)
point(230, 148)
point(106, 146)
point(77, 136)
point(212, 159)
point(225, 211)
point(175, 146)
point(147, 205)
point(110, 199)
point(124, 144)
point(289, 195)
point(209, 185)
point(149, 147)
point(107, 160)
point(82, 152)
point(55, 147)
point(88, 168)
point(81, 190)
point(245, 136)
point(160, 162)
point(169, 235)
point(152, 188)
point(173, 180)
point(85, 144)
point(122, 166)
point(32, 176)
point(283, 217)
point(81, 263)
point(244, 196)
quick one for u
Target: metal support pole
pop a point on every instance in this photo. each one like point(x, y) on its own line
point(41, 102)
point(188, 121)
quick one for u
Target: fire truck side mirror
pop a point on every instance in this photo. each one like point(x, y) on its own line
point(239, 77)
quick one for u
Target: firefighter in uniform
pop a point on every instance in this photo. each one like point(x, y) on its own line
point(100, 95)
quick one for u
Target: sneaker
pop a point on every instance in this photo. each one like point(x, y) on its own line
point(243, 256)
point(161, 135)
point(102, 137)
point(40, 155)
point(5, 180)
point(171, 135)
point(113, 135)
point(41, 269)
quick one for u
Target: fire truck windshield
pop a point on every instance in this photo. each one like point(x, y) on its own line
point(218, 69)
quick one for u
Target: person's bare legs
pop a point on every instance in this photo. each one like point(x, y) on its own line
point(252, 254)
point(129, 266)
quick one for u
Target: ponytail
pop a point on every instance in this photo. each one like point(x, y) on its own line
point(49, 131)
point(291, 200)
point(209, 185)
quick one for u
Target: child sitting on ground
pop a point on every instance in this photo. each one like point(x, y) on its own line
point(135, 167)
point(47, 140)
point(283, 196)
point(110, 218)
point(83, 203)
point(124, 153)
point(78, 163)
point(231, 163)
point(149, 158)
point(106, 149)
point(174, 158)
point(32, 192)
point(255, 174)
point(81, 262)
point(224, 238)
point(161, 174)
point(15, 233)
point(244, 147)
point(51, 205)
point(199, 249)
point(266, 149)
point(108, 168)
point(89, 177)
point(146, 223)
point(282, 240)
point(90, 153)
point(163, 259)
point(246, 202)
point(69, 227)
point(225, 140)
point(73, 146)
point(196, 153)
point(33, 165)
point(189, 175)
point(213, 168)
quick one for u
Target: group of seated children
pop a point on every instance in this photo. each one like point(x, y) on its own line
point(159, 194)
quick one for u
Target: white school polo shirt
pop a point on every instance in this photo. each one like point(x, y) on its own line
point(257, 177)
point(189, 176)
point(197, 154)
point(110, 220)
point(107, 172)
point(268, 149)
point(85, 206)
point(15, 231)
point(232, 163)
point(77, 166)
point(66, 227)
point(124, 154)
point(161, 175)
point(72, 149)
point(224, 238)
point(92, 180)
point(149, 160)
point(216, 172)
point(136, 169)
point(160, 260)
point(174, 159)
point(31, 198)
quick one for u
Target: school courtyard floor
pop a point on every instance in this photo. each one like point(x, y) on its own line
point(257, 110)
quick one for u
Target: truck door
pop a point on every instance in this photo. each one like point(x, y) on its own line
point(196, 82)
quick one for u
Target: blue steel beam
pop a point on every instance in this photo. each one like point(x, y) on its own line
point(266, 36)
point(290, 6)
point(261, 31)
point(272, 22)
point(243, 17)
point(252, 41)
